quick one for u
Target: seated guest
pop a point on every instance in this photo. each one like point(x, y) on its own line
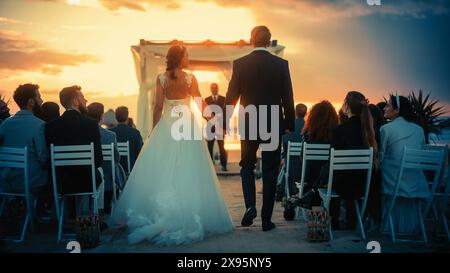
point(125, 133)
point(342, 117)
point(381, 105)
point(321, 122)
point(355, 133)
point(109, 119)
point(25, 130)
point(73, 128)
point(401, 132)
point(296, 136)
point(378, 121)
point(373, 209)
point(50, 111)
point(95, 111)
point(131, 123)
point(295, 163)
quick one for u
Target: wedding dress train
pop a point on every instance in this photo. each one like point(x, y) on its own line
point(172, 195)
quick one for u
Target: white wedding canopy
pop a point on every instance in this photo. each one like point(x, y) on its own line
point(149, 59)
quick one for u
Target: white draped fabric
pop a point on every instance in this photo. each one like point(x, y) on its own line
point(149, 59)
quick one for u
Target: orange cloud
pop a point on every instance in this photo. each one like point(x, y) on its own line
point(17, 52)
point(140, 5)
point(314, 9)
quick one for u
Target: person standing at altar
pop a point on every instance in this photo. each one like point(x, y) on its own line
point(216, 99)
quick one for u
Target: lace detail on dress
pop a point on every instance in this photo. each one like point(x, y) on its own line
point(164, 82)
point(188, 78)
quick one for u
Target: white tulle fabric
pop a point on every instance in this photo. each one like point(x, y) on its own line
point(172, 196)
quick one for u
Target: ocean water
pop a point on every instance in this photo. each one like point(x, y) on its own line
point(443, 137)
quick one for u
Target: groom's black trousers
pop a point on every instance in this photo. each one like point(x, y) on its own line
point(270, 167)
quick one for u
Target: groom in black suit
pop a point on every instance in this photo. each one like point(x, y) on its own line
point(261, 79)
point(218, 100)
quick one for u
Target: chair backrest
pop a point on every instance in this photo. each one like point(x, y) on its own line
point(108, 152)
point(425, 160)
point(293, 149)
point(108, 156)
point(445, 167)
point(314, 152)
point(72, 155)
point(124, 150)
point(350, 160)
point(16, 158)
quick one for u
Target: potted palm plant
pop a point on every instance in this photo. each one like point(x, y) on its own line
point(4, 110)
point(429, 115)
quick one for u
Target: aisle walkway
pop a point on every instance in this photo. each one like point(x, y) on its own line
point(287, 237)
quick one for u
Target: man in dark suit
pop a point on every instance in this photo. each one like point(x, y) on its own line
point(218, 100)
point(126, 133)
point(263, 80)
point(74, 128)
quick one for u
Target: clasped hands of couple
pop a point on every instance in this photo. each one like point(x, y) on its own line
point(215, 118)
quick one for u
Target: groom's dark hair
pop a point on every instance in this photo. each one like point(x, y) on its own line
point(260, 36)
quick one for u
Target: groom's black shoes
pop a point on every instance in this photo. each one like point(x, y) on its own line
point(267, 225)
point(249, 215)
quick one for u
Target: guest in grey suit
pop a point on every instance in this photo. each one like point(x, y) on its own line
point(25, 129)
point(96, 111)
point(125, 133)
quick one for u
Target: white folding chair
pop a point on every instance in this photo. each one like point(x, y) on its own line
point(293, 149)
point(424, 160)
point(349, 160)
point(108, 156)
point(18, 158)
point(445, 196)
point(124, 150)
point(312, 152)
point(74, 155)
point(440, 198)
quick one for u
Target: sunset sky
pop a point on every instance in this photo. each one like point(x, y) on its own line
point(332, 46)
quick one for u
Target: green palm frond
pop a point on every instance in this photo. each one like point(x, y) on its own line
point(4, 102)
point(428, 113)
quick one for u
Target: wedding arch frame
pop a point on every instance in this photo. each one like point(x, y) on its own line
point(149, 60)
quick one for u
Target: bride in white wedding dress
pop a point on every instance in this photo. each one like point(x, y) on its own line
point(172, 196)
